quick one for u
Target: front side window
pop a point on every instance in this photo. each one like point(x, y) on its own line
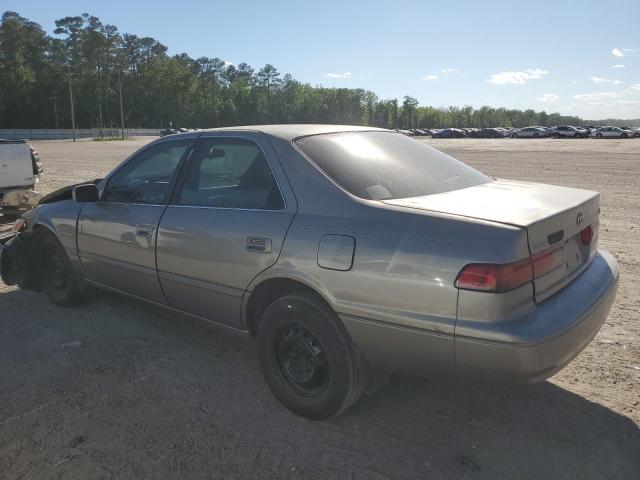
point(146, 178)
point(386, 165)
point(230, 173)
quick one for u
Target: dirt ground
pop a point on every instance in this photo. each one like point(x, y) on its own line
point(115, 389)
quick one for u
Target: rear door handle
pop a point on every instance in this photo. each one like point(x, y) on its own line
point(144, 230)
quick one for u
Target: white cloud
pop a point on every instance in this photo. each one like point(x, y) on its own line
point(608, 104)
point(616, 52)
point(605, 80)
point(517, 78)
point(444, 71)
point(227, 63)
point(597, 97)
point(430, 77)
point(631, 50)
point(346, 75)
point(549, 98)
point(617, 65)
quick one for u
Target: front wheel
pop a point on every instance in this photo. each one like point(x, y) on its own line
point(58, 279)
point(624, 135)
point(598, 135)
point(306, 358)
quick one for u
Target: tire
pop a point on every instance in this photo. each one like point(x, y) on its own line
point(515, 135)
point(598, 135)
point(556, 135)
point(306, 357)
point(624, 135)
point(58, 278)
point(536, 135)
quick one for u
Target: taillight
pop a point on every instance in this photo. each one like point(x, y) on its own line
point(492, 277)
point(586, 235)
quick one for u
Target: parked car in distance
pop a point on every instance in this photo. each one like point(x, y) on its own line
point(449, 133)
point(504, 132)
point(629, 131)
point(567, 131)
point(20, 169)
point(347, 252)
point(611, 132)
point(485, 133)
point(529, 132)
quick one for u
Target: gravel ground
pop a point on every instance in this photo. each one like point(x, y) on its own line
point(114, 389)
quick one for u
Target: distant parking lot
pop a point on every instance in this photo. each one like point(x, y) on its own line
point(115, 389)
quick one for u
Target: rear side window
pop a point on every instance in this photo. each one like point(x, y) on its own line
point(386, 165)
point(230, 173)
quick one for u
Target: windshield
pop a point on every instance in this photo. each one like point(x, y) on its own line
point(386, 165)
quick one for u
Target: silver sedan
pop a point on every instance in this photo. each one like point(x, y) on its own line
point(347, 252)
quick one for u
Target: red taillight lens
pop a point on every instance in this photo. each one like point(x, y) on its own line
point(586, 235)
point(478, 277)
point(490, 277)
point(495, 278)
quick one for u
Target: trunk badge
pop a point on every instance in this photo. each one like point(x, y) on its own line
point(580, 218)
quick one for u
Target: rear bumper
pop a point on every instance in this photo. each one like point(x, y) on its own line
point(531, 346)
point(536, 345)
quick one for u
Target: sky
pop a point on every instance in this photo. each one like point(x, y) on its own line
point(574, 57)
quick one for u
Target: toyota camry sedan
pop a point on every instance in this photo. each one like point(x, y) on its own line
point(347, 252)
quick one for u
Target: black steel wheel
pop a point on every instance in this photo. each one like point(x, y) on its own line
point(58, 278)
point(302, 361)
point(306, 357)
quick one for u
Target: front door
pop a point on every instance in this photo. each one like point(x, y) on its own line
point(117, 235)
point(225, 225)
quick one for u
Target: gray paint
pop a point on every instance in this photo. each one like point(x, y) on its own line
point(396, 296)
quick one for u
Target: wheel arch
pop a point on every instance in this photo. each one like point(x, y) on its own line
point(264, 290)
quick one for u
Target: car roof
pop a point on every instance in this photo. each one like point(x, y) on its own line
point(289, 132)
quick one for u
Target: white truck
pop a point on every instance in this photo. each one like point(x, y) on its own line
point(20, 168)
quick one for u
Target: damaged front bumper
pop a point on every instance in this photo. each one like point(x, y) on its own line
point(13, 259)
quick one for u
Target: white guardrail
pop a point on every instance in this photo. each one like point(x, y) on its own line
point(64, 133)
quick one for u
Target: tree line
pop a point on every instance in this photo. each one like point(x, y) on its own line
point(107, 77)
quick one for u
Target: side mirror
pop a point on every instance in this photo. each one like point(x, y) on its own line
point(87, 193)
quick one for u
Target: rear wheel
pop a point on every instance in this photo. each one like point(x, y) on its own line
point(58, 279)
point(306, 358)
point(536, 135)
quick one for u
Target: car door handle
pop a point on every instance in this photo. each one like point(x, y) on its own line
point(144, 230)
point(258, 244)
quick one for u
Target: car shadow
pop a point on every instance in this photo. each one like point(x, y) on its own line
point(171, 395)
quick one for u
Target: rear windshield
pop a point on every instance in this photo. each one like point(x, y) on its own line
point(386, 165)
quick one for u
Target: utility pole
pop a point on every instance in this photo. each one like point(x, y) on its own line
point(73, 116)
point(121, 111)
point(55, 109)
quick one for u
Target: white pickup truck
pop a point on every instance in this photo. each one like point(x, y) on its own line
point(20, 168)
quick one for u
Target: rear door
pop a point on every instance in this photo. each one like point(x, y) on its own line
point(225, 225)
point(117, 235)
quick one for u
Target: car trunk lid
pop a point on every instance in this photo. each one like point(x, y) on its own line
point(553, 216)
